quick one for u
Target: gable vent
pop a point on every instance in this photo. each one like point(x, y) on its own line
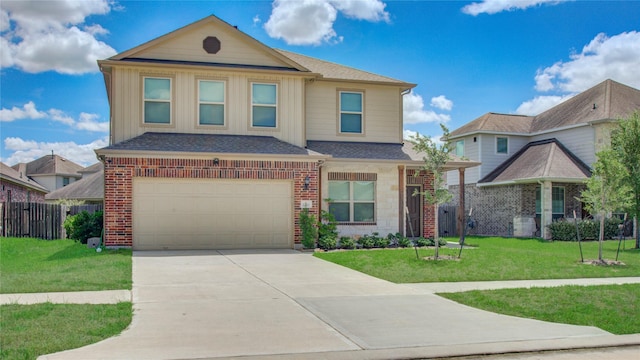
point(211, 45)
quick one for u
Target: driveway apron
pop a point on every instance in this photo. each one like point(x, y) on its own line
point(207, 304)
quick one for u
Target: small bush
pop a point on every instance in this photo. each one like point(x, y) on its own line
point(563, 231)
point(420, 242)
point(83, 225)
point(367, 241)
point(347, 243)
point(327, 243)
point(404, 242)
point(308, 228)
point(381, 242)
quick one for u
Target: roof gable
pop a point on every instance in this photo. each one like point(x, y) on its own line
point(51, 165)
point(538, 160)
point(88, 188)
point(187, 44)
point(7, 173)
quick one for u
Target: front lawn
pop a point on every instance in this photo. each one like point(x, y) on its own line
point(613, 308)
point(33, 265)
point(494, 258)
point(29, 331)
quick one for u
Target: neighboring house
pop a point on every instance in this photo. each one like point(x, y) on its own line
point(89, 189)
point(218, 141)
point(51, 171)
point(534, 167)
point(17, 187)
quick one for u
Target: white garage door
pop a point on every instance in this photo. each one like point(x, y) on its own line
point(211, 214)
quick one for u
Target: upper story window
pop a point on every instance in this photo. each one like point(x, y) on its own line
point(264, 105)
point(351, 113)
point(352, 201)
point(65, 181)
point(502, 145)
point(459, 148)
point(157, 100)
point(211, 102)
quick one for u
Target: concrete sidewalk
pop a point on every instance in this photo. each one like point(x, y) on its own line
point(286, 304)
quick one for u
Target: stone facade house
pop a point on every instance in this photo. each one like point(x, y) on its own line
point(534, 167)
point(219, 141)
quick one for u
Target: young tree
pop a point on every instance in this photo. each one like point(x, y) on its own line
point(607, 189)
point(625, 140)
point(435, 158)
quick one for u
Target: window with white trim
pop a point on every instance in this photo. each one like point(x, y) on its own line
point(460, 148)
point(211, 101)
point(351, 112)
point(264, 105)
point(157, 100)
point(352, 201)
point(502, 145)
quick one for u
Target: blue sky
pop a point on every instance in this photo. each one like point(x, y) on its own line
point(467, 57)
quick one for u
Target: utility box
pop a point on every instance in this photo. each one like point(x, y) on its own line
point(524, 226)
point(93, 242)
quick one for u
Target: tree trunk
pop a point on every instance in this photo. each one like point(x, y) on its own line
point(601, 237)
point(436, 240)
point(636, 231)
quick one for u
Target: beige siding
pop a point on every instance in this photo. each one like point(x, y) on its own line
point(234, 49)
point(127, 104)
point(382, 112)
point(580, 141)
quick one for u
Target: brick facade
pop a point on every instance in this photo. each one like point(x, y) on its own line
point(428, 219)
point(19, 193)
point(494, 207)
point(119, 174)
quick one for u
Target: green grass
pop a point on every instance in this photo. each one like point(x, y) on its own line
point(31, 265)
point(613, 308)
point(494, 258)
point(29, 331)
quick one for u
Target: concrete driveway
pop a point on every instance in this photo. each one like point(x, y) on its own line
point(287, 304)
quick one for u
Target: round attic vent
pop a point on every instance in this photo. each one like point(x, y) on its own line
point(211, 44)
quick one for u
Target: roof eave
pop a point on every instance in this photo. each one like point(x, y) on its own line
point(571, 180)
point(202, 155)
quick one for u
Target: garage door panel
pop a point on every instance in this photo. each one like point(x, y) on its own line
point(212, 214)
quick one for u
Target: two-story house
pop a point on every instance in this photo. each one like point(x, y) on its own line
point(219, 141)
point(18, 187)
point(535, 167)
point(51, 171)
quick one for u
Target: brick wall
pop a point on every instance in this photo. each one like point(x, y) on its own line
point(428, 221)
point(494, 207)
point(19, 193)
point(119, 174)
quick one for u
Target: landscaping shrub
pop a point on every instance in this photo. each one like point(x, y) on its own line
point(420, 242)
point(327, 243)
point(381, 242)
point(404, 242)
point(367, 241)
point(83, 225)
point(347, 243)
point(308, 228)
point(327, 226)
point(565, 230)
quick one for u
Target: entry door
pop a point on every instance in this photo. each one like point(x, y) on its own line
point(414, 204)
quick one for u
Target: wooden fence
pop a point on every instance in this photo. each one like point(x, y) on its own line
point(447, 220)
point(38, 220)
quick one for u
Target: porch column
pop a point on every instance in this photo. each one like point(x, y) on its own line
point(401, 194)
point(461, 213)
point(546, 206)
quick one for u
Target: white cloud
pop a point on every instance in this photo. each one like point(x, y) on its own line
point(40, 36)
point(89, 122)
point(496, 6)
point(28, 111)
point(441, 102)
point(540, 104)
point(408, 134)
point(616, 58)
point(29, 150)
point(85, 122)
point(310, 22)
point(415, 113)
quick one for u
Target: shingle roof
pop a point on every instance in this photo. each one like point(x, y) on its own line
point(493, 122)
point(608, 100)
point(360, 150)
point(90, 187)
point(208, 143)
point(7, 173)
point(51, 165)
point(538, 160)
point(335, 71)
